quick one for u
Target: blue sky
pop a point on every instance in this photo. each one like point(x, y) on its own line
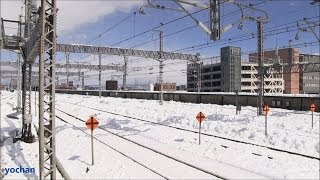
point(280, 13)
point(82, 22)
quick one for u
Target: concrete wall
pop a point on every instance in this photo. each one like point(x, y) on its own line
point(285, 102)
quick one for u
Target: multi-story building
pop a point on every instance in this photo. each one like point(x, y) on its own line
point(230, 68)
point(231, 74)
point(273, 83)
point(309, 82)
point(224, 76)
point(193, 80)
point(287, 55)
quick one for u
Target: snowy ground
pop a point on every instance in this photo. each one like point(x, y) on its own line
point(290, 130)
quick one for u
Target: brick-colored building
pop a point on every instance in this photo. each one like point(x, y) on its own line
point(287, 55)
point(165, 87)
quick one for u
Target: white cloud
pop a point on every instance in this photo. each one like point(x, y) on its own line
point(73, 14)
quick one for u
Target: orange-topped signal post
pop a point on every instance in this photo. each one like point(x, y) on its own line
point(200, 117)
point(266, 109)
point(92, 123)
point(312, 108)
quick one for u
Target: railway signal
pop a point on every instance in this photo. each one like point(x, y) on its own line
point(312, 108)
point(92, 123)
point(200, 117)
point(266, 110)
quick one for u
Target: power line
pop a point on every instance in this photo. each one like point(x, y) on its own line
point(169, 22)
point(233, 38)
point(206, 44)
point(109, 29)
point(104, 32)
point(92, 77)
point(233, 41)
point(193, 26)
point(144, 32)
point(164, 24)
point(271, 29)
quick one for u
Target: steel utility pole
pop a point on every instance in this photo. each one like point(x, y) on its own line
point(199, 74)
point(19, 82)
point(30, 20)
point(161, 68)
point(27, 135)
point(1, 46)
point(215, 19)
point(261, 72)
point(99, 75)
point(82, 80)
point(79, 74)
point(125, 73)
point(47, 62)
point(67, 67)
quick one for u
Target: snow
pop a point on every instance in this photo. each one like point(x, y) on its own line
point(217, 93)
point(287, 129)
point(15, 154)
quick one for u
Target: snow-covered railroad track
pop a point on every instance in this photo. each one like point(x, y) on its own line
point(113, 148)
point(186, 168)
point(8, 98)
point(205, 134)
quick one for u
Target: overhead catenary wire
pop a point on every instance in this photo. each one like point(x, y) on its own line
point(243, 53)
point(169, 22)
point(192, 48)
point(286, 29)
point(193, 26)
point(228, 39)
point(180, 62)
point(149, 30)
point(233, 12)
point(156, 27)
point(104, 32)
point(203, 46)
point(109, 29)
